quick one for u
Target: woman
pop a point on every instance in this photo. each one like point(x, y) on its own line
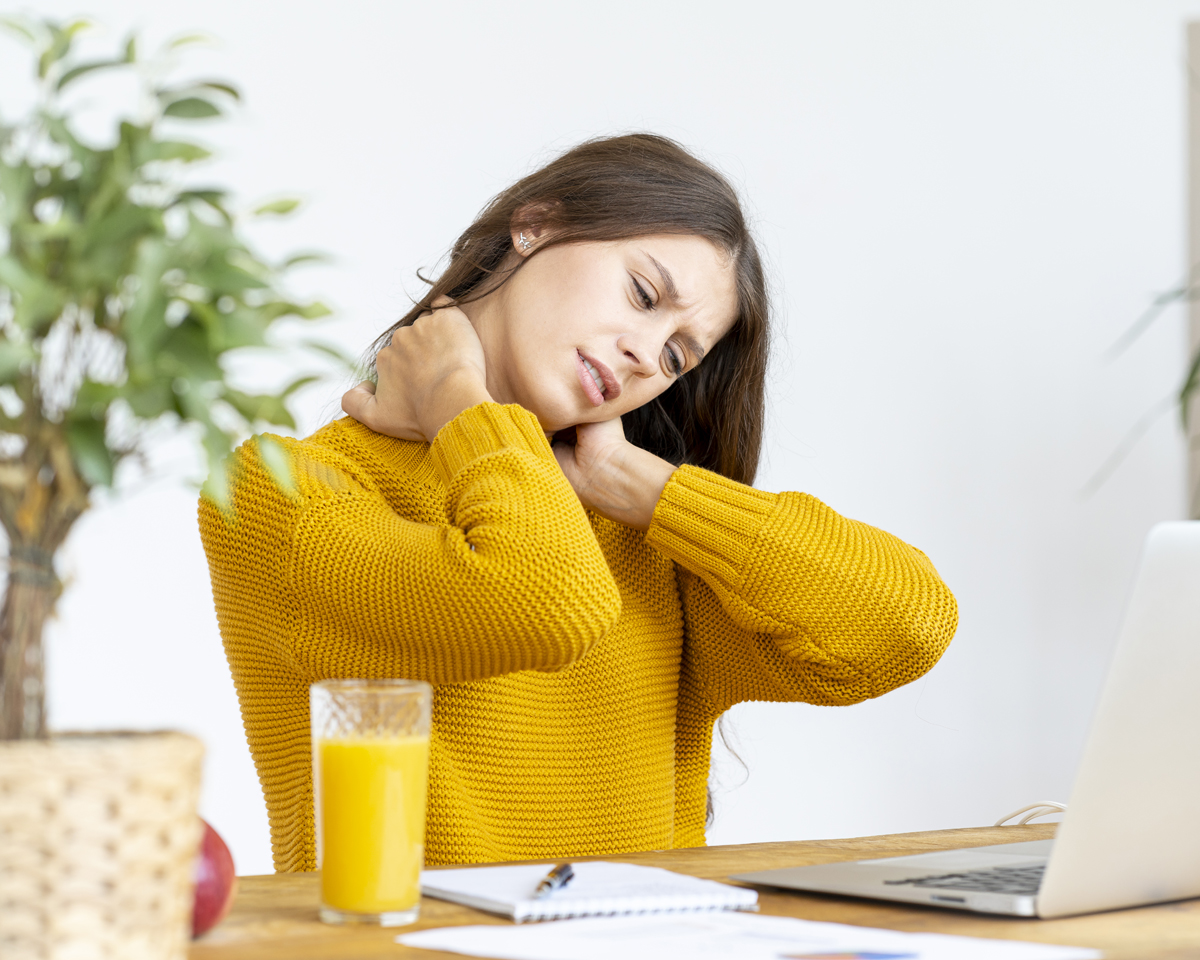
point(543, 508)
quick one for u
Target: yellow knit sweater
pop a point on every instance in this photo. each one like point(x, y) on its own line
point(578, 665)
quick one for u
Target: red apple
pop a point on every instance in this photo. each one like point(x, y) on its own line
point(216, 882)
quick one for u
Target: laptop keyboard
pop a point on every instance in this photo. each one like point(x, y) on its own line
point(996, 880)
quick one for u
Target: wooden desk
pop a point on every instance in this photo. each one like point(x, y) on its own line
point(275, 917)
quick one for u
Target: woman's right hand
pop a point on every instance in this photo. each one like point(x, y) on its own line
point(430, 373)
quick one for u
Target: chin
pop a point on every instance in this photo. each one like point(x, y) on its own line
point(552, 414)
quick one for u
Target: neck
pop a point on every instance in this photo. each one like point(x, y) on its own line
point(486, 316)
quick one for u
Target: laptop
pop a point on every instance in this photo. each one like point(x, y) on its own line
point(1131, 832)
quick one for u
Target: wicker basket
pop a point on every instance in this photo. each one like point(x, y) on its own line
point(98, 837)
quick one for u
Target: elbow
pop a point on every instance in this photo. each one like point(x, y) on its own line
point(554, 612)
point(577, 621)
point(570, 620)
point(921, 631)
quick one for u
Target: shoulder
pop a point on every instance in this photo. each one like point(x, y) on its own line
point(341, 457)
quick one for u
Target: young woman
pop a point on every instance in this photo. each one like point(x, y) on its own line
point(543, 508)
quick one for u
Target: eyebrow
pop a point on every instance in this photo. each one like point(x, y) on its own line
point(667, 280)
point(672, 293)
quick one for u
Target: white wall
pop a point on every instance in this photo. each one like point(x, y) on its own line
point(963, 206)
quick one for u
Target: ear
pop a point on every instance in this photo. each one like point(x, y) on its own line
point(529, 225)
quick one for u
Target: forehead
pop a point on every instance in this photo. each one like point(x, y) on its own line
point(699, 275)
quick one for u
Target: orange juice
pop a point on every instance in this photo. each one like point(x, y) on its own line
point(372, 795)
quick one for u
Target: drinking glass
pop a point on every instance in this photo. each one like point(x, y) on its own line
point(370, 741)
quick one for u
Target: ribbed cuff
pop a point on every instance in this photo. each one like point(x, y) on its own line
point(482, 429)
point(707, 523)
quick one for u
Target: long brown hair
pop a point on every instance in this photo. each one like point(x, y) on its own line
point(629, 186)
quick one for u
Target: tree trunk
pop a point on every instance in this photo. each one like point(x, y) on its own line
point(29, 600)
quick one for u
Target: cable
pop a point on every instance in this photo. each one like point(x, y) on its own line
point(1042, 808)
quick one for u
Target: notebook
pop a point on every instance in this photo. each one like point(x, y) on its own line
point(598, 889)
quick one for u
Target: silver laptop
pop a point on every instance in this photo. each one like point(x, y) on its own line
point(1131, 833)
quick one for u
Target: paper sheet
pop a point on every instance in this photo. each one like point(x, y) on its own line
point(717, 936)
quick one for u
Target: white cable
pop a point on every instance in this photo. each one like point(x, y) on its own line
point(1042, 808)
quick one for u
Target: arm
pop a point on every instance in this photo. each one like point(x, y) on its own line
point(784, 599)
point(514, 580)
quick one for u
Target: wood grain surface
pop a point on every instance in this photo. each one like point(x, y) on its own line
point(275, 917)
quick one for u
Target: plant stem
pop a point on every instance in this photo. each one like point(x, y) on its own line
point(41, 497)
point(29, 600)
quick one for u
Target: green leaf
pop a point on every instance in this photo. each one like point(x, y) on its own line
point(259, 408)
point(313, 311)
point(151, 400)
point(213, 198)
point(185, 353)
point(1191, 384)
point(117, 232)
point(61, 44)
point(285, 308)
point(131, 49)
point(16, 189)
point(191, 108)
point(93, 399)
point(216, 444)
point(296, 385)
point(225, 88)
point(278, 463)
point(311, 257)
point(216, 488)
point(223, 277)
point(13, 25)
point(38, 302)
point(90, 452)
point(179, 150)
point(14, 356)
point(227, 331)
point(279, 207)
point(337, 353)
point(188, 39)
point(61, 133)
point(86, 68)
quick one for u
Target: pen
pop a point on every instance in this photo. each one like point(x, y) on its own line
point(556, 879)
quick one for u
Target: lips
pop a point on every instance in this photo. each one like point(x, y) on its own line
point(598, 382)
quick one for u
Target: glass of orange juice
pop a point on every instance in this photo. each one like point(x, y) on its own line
point(370, 742)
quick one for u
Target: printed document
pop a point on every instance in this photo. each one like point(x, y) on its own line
point(721, 936)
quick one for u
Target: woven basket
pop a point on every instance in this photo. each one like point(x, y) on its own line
point(98, 838)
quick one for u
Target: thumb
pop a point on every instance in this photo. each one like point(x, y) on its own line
point(359, 401)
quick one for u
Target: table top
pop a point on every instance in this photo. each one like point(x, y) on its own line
point(275, 917)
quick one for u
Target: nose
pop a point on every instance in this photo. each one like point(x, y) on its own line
point(641, 354)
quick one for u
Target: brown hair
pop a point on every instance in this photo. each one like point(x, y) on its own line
point(629, 186)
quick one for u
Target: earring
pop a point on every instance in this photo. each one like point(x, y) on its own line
point(525, 244)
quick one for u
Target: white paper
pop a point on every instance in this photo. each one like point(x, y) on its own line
point(722, 936)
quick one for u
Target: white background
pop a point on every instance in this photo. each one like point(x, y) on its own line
point(963, 205)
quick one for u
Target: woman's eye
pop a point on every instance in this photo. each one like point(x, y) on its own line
point(674, 362)
point(647, 301)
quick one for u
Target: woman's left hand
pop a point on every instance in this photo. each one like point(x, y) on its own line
point(612, 476)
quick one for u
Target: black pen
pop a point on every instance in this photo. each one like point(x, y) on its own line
point(556, 879)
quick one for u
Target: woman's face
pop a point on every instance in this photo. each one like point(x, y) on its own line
point(585, 332)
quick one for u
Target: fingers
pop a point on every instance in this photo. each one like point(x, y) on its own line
point(359, 402)
point(442, 301)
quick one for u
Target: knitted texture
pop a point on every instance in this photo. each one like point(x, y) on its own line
point(578, 665)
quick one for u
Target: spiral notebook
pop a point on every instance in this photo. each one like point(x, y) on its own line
point(599, 888)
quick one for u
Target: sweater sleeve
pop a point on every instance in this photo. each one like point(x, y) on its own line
point(784, 599)
point(512, 580)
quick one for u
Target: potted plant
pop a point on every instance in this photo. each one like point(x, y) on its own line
point(122, 293)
